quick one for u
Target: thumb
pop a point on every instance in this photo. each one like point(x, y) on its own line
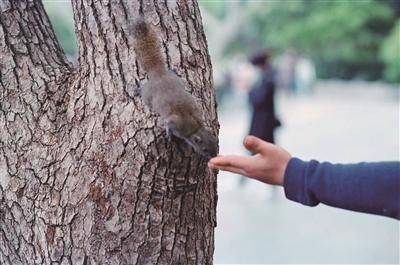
point(255, 145)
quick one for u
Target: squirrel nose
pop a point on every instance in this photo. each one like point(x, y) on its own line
point(208, 152)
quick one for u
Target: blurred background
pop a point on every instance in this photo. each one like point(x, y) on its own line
point(336, 68)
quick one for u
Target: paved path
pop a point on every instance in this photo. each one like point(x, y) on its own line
point(340, 123)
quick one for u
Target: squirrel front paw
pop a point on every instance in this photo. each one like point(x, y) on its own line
point(133, 90)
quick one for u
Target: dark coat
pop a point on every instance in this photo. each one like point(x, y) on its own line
point(261, 98)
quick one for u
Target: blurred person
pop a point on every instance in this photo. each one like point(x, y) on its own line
point(261, 98)
point(286, 71)
point(304, 75)
point(243, 76)
point(372, 187)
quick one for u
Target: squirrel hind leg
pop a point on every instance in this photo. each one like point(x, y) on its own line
point(170, 128)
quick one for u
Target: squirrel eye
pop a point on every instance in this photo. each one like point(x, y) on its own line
point(197, 139)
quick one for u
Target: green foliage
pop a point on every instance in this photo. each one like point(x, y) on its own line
point(343, 37)
point(217, 8)
point(60, 14)
point(390, 54)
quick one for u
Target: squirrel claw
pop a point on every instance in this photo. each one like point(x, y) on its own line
point(169, 136)
point(137, 91)
point(133, 90)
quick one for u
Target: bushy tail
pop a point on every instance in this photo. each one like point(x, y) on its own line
point(148, 48)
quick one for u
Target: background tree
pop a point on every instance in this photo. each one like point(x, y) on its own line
point(86, 173)
point(390, 54)
point(343, 38)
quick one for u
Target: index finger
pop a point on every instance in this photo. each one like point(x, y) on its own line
point(236, 161)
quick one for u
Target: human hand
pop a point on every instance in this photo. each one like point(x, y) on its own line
point(267, 165)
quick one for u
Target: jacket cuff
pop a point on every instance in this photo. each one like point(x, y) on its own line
point(294, 182)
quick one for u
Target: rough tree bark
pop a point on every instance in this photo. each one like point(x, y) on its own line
point(87, 175)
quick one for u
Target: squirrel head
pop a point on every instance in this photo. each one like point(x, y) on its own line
point(203, 142)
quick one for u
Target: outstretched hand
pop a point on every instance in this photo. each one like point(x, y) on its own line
point(267, 165)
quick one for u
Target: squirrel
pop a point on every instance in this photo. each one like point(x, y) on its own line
point(165, 93)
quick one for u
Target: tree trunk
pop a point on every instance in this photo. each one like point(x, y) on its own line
point(87, 175)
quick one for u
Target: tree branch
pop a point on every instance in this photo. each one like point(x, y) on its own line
point(28, 42)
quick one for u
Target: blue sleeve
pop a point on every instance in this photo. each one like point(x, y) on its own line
point(364, 187)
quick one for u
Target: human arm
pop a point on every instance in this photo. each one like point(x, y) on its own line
point(364, 187)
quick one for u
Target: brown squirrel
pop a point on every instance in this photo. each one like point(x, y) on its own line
point(165, 93)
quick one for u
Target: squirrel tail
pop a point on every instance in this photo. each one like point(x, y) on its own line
point(148, 48)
